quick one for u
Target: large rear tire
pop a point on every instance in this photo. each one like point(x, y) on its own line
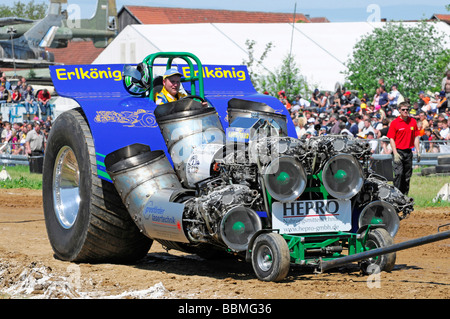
point(85, 218)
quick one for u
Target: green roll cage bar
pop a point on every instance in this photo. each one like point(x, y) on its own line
point(189, 58)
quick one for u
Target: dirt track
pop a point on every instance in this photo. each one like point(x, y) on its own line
point(29, 270)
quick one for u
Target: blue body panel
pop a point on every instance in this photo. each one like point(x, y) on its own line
point(117, 119)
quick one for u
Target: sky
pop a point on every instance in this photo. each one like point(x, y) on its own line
point(334, 10)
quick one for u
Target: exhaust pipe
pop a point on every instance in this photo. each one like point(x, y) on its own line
point(251, 109)
point(148, 186)
point(185, 126)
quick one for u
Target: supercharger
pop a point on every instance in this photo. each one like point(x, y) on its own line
point(223, 184)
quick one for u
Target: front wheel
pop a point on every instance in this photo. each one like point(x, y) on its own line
point(85, 218)
point(270, 257)
point(378, 238)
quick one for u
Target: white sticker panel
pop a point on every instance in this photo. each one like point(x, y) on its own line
point(314, 216)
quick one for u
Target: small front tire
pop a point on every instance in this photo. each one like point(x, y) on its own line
point(378, 238)
point(270, 257)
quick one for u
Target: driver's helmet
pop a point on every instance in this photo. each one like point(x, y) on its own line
point(136, 80)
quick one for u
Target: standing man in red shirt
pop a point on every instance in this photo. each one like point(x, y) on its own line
point(44, 102)
point(404, 136)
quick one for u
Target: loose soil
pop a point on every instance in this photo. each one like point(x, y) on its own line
point(28, 268)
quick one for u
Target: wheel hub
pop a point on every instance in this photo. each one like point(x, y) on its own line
point(66, 196)
point(264, 258)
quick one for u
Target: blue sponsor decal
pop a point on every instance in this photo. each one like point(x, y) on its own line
point(238, 134)
point(152, 210)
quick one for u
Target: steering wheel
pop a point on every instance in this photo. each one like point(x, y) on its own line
point(195, 97)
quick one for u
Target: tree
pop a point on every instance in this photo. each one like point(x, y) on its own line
point(287, 77)
point(28, 10)
point(413, 57)
point(253, 64)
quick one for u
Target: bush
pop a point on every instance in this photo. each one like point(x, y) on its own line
point(21, 178)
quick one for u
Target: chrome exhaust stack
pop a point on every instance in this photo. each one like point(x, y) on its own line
point(250, 109)
point(149, 187)
point(186, 125)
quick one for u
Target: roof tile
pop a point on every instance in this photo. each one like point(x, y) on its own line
point(443, 17)
point(76, 52)
point(162, 15)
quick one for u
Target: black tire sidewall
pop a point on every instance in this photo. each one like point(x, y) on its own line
point(66, 131)
point(381, 238)
point(273, 273)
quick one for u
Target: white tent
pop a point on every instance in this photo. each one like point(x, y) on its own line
point(320, 49)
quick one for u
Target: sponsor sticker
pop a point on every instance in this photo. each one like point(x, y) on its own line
point(313, 216)
point(163, 220)
point(238, 134)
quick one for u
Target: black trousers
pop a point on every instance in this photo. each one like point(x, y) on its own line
point(403, 170)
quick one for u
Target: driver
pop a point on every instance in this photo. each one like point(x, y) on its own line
point(171, 86)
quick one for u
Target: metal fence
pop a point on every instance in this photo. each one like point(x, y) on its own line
point(12, 154)
point(13, 160)
point(436, 148)
point(16, 112)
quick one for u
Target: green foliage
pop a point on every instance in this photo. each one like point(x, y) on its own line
point(28, 10)
point(21, 178)
point(253, 64)
point(31, 74)
point(414, 57)
point(287, 77)
point(424, 188)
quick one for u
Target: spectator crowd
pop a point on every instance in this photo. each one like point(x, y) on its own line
point(23, 93)
point(14, 135)
point(368, 117)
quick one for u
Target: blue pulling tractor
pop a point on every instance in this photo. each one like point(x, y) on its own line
point(121, 172)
